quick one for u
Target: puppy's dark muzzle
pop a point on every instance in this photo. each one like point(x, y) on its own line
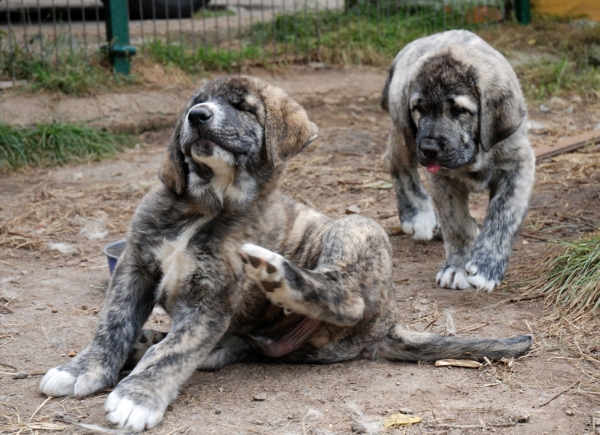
point(200, 116)
point(430, 148)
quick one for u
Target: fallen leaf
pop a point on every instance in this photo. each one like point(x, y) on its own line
point(400, 419)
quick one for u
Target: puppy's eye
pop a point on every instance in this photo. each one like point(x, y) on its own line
point(458, 111)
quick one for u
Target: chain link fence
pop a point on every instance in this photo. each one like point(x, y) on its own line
point(200, 35)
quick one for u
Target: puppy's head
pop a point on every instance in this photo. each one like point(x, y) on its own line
point(443, 108)
point(458, 105)
point(232, 135)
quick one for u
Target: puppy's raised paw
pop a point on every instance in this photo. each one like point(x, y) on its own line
point(453, 278)
point(267, 270)
point(263, 266)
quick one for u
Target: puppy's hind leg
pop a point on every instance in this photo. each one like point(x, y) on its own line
point(417, 215)
point(403, 345)
point(352, 272)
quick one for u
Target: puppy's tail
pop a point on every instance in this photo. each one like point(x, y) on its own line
point(403, 345)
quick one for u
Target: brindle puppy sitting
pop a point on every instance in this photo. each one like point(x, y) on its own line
point(228, 256)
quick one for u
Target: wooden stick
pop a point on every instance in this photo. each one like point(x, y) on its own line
point(556, 395)
point(568, 144)
point(40, 407)
point(467, 363)
point(473, 327)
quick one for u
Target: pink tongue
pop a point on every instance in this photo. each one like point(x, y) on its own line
point(433, 168)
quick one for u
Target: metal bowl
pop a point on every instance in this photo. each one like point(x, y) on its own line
point(113, 251)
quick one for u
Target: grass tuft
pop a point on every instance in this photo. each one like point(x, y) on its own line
point(75, 74)
point(54, 144)
point(570, 280)
point(201, 60)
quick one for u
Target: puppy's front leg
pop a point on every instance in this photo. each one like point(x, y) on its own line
point(200, 318)
point(509, 201)
point(458, 228)
point(417, 216)
point(128, 304)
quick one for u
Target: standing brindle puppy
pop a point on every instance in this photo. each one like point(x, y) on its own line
point(457, 109)
point(243, 271)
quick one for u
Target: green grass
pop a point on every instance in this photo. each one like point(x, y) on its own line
point(548, 79)
point(201, 60)
point(53, 144)
point(213, 13)
point(72, 74)
point(366, 34)
point(571, 280)
point(568, 57)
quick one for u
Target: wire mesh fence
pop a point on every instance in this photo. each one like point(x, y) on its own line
point(222, 34)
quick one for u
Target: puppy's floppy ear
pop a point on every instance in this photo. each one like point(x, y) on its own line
point(172, 172)
point(399, 97)
point(385, 94)
point(502, 110)
point(287, 127)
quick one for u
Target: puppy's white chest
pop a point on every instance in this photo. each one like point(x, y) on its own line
point(176, 260)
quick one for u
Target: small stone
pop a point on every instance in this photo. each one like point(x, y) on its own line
point(405, 411)
point(576, 99)
point(524, 418)
point(257, 422)
point(259, 397)
point(570, 109)
point(24, 272)
point(54, 310)
point(358, 427)
point(544, 108)
point(398, 383)
point(21, 375)
point(353, 209)
point(569, 412)
point(71, 353)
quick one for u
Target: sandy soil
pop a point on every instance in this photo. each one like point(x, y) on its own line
point(50, 300)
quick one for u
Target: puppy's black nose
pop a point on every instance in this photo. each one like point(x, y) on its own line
point(199, 115)
point(430, 147)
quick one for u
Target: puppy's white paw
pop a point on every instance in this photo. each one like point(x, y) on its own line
point(453, 277)
point(482, 284)
point(422, 226)
point(478, 281)
point(265, 268)
point(127, 414)
point(58, 383)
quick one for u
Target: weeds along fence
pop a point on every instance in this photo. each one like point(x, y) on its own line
point(41, 36)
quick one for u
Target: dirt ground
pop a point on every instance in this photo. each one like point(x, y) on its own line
point(50, 299)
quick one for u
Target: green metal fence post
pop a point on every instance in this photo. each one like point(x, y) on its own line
point(523, 11)
point(117, 33)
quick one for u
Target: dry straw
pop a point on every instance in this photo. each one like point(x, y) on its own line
point(570, 280)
